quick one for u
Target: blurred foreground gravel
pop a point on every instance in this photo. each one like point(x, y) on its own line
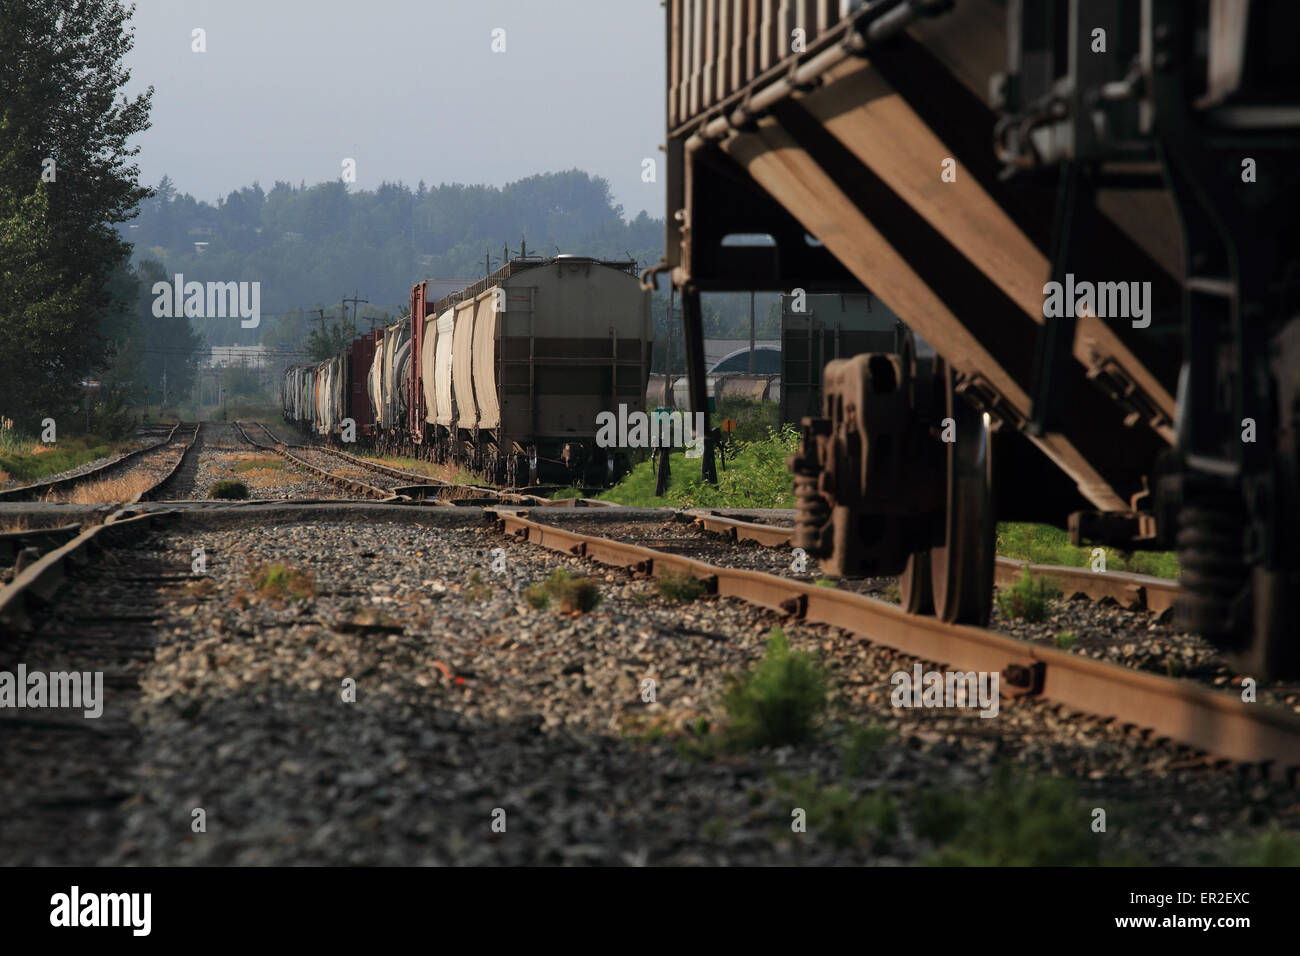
point(468, 701)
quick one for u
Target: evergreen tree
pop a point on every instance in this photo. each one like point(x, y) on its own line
point(65, 180)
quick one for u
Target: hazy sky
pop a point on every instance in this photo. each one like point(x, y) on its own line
point(410, 89)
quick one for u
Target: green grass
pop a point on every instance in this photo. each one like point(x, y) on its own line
point(1272, 848)
point(755, 478)
point(279, 581)
point(781, 701)
point(679, 586)
point(1066, 640)
point(1045, 544)
point(572, 595)
point(25, 459)
point(1027, 599)
point(477, 589)
point(229, 489)
point(753, 418)
point(844, 818)
point(858, 752)
point(1013, 821)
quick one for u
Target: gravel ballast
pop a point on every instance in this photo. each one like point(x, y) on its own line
point(468, 702)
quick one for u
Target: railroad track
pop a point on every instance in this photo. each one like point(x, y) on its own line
point(20, 548)
point(502, 699)
point(40, 489)
point(420, 486)
point(1259, 738)
point(362, 488)
point(1133, 591)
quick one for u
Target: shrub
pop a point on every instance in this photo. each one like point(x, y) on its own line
point(1013, 821)
point(845, 819)
point(780, 701)
point(229, 489)
point(573, 595)
point(679, 586)
point(861, 747)
point(1027, 598)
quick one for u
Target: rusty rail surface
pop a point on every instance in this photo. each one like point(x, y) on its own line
point(153, 491)
point(40, 488)
point(350, 484)
point(418, 478)
point(1133, 591)
point(1264, 739)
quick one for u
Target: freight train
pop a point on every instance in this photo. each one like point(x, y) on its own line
point(504, 378)
point(967, 161)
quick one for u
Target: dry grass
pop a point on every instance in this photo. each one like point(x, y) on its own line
point(120, 489)
point(263, 478)
point(10, 525)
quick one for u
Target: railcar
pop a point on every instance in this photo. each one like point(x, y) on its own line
point(968, 162)
point(504, 378)
point(508, 375)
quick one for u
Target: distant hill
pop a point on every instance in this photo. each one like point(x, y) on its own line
point(310, 245)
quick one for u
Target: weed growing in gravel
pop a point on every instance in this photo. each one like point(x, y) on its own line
point(780, 701)
point(1066, 640)
point(1272, 848)
point(1027, 598)
point(572, 595)
point(229, 489)
point(1174, 667)
point(681, 587)
point(477, 590)
point(277, 581)
point(893, 595)
point(1013, 821)
point(859, 749)
point(826, 583)
point(837, 814)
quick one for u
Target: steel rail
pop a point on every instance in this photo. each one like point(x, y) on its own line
point(513, 497)
point(351, 484)
point(151, 493)
point(39, 488)
point(1262, 738)
point(1133, 591)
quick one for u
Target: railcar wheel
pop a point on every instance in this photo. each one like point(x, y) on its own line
point(914, 586)
point(962, 557)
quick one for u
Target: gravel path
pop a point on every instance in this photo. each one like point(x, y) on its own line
point(468, 701)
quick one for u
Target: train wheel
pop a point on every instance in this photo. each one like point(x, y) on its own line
point(914, 586)
point(962, 559)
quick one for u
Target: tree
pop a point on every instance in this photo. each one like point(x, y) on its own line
point(65, 181)
point(327, 344)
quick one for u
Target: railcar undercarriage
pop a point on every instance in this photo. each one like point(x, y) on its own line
point(1147, 148)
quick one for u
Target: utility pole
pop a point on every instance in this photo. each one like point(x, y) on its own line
point(668, 359)
point(354, 300)
point(751, 332)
